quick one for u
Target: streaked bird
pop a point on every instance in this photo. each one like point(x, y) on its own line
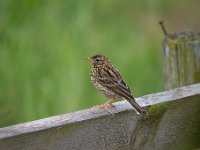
point(108, 81)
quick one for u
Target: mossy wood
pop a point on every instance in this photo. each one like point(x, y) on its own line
point(172, 125)
point(181, 60)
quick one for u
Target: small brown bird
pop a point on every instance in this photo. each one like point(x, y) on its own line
point(109, 81)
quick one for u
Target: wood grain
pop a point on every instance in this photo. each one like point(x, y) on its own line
point(181, 59)
point(124, 129)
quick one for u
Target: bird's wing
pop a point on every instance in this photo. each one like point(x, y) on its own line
point(111, 78)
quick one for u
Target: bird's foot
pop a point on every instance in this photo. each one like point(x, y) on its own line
point(100, 106)
point(103, 106)
point(111, 105)
point(106, 105)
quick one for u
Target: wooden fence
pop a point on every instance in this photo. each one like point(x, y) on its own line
point(173, 123)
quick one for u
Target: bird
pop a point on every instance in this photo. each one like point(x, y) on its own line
point(107, 79)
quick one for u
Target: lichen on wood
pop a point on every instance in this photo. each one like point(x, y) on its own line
point(181, 59)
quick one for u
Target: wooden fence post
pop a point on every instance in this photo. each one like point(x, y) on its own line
point(181, 59)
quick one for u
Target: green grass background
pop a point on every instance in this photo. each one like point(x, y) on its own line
point(43, 43)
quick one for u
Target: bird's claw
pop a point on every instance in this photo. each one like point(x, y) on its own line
point(111, 105)
point(104, 107)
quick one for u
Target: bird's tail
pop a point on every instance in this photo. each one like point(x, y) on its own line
point(136, 106)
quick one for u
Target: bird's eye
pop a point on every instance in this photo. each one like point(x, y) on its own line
point(97, 60)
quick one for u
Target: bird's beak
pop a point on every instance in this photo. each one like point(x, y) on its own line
point(88, 59)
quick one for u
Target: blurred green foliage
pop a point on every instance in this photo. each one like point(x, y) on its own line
point(43, 43)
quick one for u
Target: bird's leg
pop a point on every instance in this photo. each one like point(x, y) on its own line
point(110, 103)
point(103, 106)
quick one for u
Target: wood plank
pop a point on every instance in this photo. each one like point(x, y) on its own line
point(98, 129)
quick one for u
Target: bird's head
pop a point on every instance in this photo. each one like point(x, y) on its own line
point(98, 60)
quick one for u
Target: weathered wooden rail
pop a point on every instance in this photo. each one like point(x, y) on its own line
point(174, 125)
